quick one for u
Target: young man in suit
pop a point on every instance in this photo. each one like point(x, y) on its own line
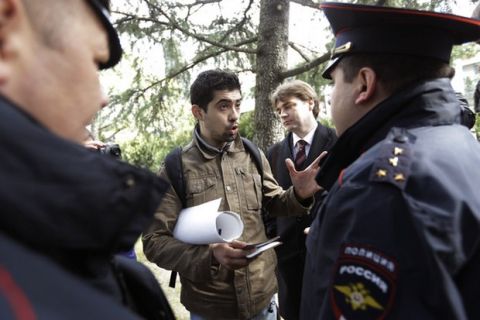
point(298, 107)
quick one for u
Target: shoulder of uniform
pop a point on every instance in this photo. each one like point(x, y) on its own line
point(394, 157)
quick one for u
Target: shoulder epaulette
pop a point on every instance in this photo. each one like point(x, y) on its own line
point(394, 159)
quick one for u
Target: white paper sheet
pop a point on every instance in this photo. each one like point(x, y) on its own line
point(204, 224)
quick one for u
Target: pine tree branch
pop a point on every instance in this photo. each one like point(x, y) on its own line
point(194, 4)
point(305, 67)
point(173, 24)
point(189, 66)
point(240, 23)
point(308, 3)
point(299, 51)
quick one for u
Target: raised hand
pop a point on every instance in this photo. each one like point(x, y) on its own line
point(304, 182)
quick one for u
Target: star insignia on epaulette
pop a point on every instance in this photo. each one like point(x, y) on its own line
point(397, 151)
point(382, 173)
point(393, 161)
point(399, 177)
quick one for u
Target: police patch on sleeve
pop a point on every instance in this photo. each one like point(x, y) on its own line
point(364, 283)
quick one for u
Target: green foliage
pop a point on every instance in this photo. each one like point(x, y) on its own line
point(149, 151)
point(465, 51)
point(327, 122)
point(246, 125)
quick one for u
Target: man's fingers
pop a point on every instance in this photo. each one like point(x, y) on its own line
point(316, 162)
point(290, 166)
point(231, 255)
point(236, 244)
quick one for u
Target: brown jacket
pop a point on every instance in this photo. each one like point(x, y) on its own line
point(209, 290)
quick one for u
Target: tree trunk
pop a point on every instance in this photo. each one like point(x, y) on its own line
point(271, 61)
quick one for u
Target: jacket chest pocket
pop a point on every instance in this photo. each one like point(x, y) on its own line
point(201, 190)
point(252, 187)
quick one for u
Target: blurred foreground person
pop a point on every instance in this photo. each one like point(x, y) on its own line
point(65, 209)
point(398, 234)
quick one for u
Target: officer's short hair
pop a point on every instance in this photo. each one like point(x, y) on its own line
point(395, 71)
point(207, 82)
point(298, 89)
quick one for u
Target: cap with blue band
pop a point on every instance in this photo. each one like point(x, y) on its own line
point(374, 29)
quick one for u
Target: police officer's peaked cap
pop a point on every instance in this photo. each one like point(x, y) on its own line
point(375, 29)
point(102, 9)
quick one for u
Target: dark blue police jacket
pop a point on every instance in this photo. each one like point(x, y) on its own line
point(71, 205)
point(398, 235)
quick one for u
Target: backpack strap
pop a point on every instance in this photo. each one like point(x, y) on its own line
point(174, 170)
point(255, 152)
point(257, 158)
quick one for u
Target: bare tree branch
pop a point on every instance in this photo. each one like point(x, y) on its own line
point(305, 67)
point(176, 26)
point(308, 3)
point(299, 51)
point(196, 3)
point(239, 24)
point(128, 17)
point(189, 66)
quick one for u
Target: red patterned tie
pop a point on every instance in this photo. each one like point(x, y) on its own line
point(300, 157)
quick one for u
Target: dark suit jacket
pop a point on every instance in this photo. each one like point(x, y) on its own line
point(291, 255)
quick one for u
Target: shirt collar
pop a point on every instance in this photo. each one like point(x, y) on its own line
point(308, 138)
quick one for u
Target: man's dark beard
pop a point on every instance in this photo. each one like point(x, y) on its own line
point(229, 137)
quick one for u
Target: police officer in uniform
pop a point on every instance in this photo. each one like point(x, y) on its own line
point(65, 211)
point(399, 232)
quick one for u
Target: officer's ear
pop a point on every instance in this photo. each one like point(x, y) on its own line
point(367, 85)
point(12, 14)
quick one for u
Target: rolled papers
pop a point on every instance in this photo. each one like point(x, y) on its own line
point(204, 224)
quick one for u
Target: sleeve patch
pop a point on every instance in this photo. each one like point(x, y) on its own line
point(364, 283)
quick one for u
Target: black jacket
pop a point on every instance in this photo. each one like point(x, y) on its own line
point(291, 255)
point(33, 287)
point(398, 234)
point(71, 205)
